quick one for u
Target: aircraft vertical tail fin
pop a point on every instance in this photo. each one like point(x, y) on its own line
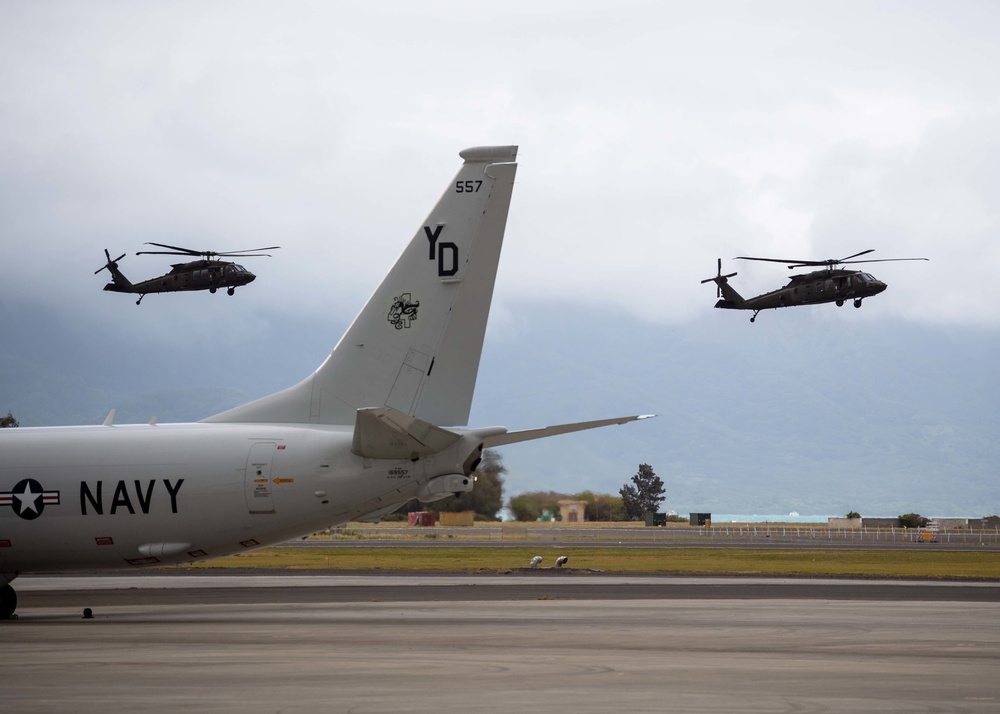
point(730, 298)
point(119, 283)
point(415, 346)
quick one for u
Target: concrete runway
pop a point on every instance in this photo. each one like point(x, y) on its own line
point(559, 642)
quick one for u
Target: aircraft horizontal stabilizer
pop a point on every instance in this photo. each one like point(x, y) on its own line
point(513, 437)
point(386, 433)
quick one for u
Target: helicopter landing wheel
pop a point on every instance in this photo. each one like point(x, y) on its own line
point(231, 291)
point(840, 303)
point(212, 289)
point(857, 303)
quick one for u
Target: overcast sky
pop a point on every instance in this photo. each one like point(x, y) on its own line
point(655, 138)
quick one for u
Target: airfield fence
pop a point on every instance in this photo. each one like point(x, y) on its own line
point(721, 534)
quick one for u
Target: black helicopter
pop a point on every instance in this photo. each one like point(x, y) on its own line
point(209, 273)
point(831, 284)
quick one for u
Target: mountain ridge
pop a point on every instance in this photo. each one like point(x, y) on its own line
point(800, 413)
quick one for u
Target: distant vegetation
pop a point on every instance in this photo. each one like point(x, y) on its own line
point(8, 421)
point(912, 520)
point(485, 499)
point(742, 436)
point(535, 505)
point(643, 495)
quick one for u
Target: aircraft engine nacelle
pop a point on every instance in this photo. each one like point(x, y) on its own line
point(443, 486)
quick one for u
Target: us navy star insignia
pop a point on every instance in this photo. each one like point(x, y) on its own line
point(28, 498)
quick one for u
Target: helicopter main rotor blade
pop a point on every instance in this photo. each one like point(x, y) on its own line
point(882, 260)
point(248, 252)
point(180, 251)
point(780, 260)
point(864, 252)
point(166, 252)
point(793, 264)
point(177, 250)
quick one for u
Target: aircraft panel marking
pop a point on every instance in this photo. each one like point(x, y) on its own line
point(403, 312)
point(121, 498)
point(442, 251)
point(28, 498)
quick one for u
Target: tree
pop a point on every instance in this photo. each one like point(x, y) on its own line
point(912, 520)
point(8, 421)
point(644, 495)
point(486, 496)
point(853, 514)
point(601, 506)
point(530, 506)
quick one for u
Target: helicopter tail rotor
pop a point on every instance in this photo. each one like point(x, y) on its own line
point(719, 279)
point(111, 265)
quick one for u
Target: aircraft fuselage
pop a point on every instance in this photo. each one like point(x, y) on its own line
point(374, 426)
point(197, 275)
point(811, 289)
point(121, 496)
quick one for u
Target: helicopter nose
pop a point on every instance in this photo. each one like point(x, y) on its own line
point(879, 286)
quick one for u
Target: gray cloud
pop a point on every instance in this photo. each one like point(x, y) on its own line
point(654, 140)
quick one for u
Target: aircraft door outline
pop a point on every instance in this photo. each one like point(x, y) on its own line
point(258, 480)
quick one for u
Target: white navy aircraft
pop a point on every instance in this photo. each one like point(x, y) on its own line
point(380, 422)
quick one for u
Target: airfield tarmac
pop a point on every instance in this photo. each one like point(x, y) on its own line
point(519, 641)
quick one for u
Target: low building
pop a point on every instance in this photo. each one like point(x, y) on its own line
point(844, 523)
point(572, 511)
